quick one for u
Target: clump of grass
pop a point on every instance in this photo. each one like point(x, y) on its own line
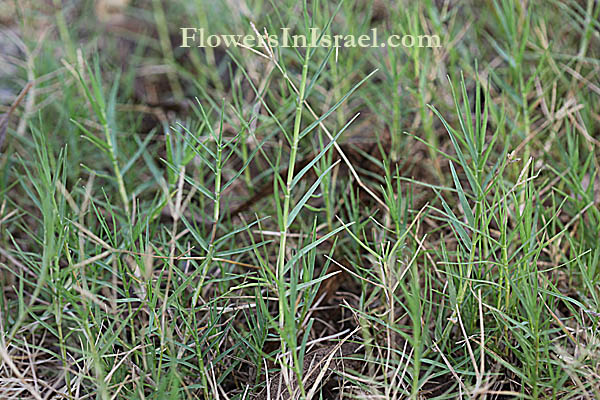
point(422, 223)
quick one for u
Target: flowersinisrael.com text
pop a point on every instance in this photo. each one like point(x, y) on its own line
point(198, 37)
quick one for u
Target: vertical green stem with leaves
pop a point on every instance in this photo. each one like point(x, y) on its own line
point(290, 178)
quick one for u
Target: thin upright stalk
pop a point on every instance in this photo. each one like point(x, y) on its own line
point(288, 189)
point(115, 165)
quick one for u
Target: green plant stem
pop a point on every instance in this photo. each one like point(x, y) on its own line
point(115, 165)
point(290, 177)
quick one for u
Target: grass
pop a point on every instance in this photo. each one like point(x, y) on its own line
point(218, 223)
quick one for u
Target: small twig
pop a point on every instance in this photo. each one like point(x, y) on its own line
point(5, 356)
point(6, 117)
